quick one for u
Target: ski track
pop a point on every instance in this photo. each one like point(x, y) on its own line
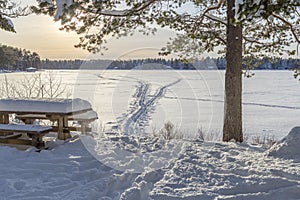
point(143, 105)
point(120, 78)
point(245, 103)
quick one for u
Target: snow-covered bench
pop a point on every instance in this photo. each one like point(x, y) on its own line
point(88, 116)
point(84, 119)
point(36, 132)
point(29, 118)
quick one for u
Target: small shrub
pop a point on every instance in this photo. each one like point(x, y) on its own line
point(37, 85)
point(265, 141)
point(168, 132)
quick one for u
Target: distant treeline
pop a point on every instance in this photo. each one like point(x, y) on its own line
point(160, 63)
point(12, 58)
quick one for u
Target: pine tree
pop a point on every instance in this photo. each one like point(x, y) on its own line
point(238, 28)
point(3, 59)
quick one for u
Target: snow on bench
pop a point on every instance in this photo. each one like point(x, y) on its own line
point(27, 128)
point(31, 116)
point(83, 119)
point(87, 116)
point(36, 132)
point(34, 106)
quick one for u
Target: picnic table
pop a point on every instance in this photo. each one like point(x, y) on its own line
point(60, 110)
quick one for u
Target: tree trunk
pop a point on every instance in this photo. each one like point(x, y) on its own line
point(232, 128)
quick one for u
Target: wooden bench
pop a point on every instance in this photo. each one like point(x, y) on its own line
point(29, 118)
point(83, 119)
point(35, 132)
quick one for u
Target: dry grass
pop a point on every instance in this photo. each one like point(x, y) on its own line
point(265, 141)
point(205, 135)
point(168, 132)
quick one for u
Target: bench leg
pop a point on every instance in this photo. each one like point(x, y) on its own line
point(63, 132)
point(4, 119)
point(66, 129)
point(37, 141)
point(60, 133)
point(84, 128)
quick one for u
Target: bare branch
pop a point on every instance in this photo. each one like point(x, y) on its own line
point(216, 19)
point(211, 8)
point(199, 20)
point(254, 40)
point(290, 25)
point(297, 12)
point(222, 40)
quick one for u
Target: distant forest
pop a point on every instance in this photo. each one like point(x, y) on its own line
point(13, 59)
point(160, 63)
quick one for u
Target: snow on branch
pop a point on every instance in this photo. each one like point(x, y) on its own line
point(6, 23)
point(60, 6)
point(126, 12)
point(8, 10)
point(215, 18)
point(249, 9)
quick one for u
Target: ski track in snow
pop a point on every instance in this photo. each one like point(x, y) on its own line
point(244, 103)
point(144, 103)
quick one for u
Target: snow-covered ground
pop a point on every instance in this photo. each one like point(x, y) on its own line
point(136, 166)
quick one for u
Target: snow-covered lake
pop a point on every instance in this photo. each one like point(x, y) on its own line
point(118, 167)
point(140, 101)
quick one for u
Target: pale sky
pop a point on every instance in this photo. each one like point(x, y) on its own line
point(40, 34)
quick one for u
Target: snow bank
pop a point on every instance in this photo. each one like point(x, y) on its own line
point(289, 147)
point(130, 153)
point(66, 172)
point(200, 170)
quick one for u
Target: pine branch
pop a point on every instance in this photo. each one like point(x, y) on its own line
point(205, 13)
point(216, 19)
point(127, 12)
point(290, 25)
point(211, 8)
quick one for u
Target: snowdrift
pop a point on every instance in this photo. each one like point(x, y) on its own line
point(289, 147)
point(197, 170)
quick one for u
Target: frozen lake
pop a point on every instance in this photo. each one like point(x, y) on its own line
point(140, 101)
